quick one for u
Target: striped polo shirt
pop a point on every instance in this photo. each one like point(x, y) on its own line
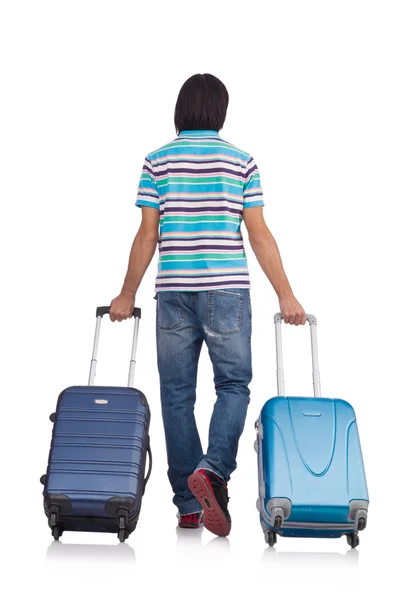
point(200, 184)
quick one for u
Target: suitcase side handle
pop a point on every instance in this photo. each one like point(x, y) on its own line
point(149, 451)
point(311, 319)
point(100, 312)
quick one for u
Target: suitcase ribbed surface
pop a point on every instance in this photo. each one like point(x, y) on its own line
point(98, 445)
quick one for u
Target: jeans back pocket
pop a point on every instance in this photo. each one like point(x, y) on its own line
point(169, 310)
point(225, 311)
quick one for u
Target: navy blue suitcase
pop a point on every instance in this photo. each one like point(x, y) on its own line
point(95, 477)
point(311, 472)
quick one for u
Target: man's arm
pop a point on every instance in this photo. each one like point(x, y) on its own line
point(266, 251)
point(142, 251)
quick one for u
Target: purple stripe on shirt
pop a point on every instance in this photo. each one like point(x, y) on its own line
point(154, 195)
point(209, 200)
point(235, 282)
point(228, 248)
point(219, 170)
point(201, 209)
point(146, 168)
point(251, 160)
point(251, 170)
point(250, 194)
point(198, 161)
point(200, 237)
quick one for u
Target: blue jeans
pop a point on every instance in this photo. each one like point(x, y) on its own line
point(221, 318)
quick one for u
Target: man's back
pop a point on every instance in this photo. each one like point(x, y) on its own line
point(200, 184)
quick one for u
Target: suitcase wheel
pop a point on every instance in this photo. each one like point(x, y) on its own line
point(270, 537)
point(122, 535)
point(277, 517)
point(352, 539)
point(362, 523)
point(278, 522)
point(121, 522)
point(56, 532)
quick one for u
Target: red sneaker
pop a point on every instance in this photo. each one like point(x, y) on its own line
point(191, 521)
point(211, 491)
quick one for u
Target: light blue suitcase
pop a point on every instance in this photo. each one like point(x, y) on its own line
point(311, 472)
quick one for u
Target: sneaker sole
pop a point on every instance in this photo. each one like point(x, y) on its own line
point(214, 518)
point(195, 526)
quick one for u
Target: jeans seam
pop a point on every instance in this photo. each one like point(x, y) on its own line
point(178, 304)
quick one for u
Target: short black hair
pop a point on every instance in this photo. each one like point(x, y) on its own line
point(202, 103)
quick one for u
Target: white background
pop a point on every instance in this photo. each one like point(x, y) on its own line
point(88, 88)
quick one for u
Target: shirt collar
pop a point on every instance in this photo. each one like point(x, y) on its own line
point(199, 133)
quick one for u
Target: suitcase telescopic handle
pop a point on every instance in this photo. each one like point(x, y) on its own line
point(100, 312)
point(311, 319)
point(105, 310)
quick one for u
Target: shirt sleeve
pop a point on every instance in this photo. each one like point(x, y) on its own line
point(253, 195)
point(148, 194)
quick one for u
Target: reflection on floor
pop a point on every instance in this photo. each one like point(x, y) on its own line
point(338, 569)
point(186, 538)
point(350, 558)
point(91, 552)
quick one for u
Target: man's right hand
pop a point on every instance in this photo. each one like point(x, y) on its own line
point(293, 312)
point(122, 307)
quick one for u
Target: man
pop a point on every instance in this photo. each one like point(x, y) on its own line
point(198, 189)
